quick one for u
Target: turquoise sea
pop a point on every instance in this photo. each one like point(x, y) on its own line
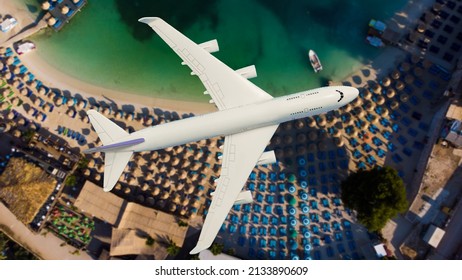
point(105, 44)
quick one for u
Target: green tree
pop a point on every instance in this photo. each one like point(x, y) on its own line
point(377, 195)
point(3, 245)
point(216, 248)
point(182, 223)
point(194, 257)
point(83, 163)
point(150, 241)
point(71, 180)
point(28, 135)
point(172, 248)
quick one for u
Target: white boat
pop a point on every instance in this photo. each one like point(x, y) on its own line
point(7, 24)
point(25, 47)
point(315, 62)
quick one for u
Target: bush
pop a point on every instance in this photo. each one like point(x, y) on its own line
point(377, 195)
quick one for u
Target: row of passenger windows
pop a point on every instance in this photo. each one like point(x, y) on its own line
point(298, 96)
point(312, 109)
point(300, 112)
point(293, 97)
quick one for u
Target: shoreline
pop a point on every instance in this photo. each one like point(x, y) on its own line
point(53, 78)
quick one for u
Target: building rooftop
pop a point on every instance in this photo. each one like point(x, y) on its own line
point(132, 222)
point(132, 242)
point(104, 206)
point(434, 236)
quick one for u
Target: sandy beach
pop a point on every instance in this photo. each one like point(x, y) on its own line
point(56, 79)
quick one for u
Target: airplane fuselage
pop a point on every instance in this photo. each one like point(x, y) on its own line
point(243, 118)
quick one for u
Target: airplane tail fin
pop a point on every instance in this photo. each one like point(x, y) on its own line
point(114, 160)
point(107, 131)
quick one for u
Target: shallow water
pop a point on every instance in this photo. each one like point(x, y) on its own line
point(106, 46)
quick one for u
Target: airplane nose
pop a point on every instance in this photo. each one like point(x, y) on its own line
point(352, 93)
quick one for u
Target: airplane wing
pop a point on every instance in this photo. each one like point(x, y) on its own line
point(240, 155)
point(227, 88)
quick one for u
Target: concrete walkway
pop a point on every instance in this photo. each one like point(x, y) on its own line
point(44, 246)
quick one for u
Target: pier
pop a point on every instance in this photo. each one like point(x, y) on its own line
point(61, 11)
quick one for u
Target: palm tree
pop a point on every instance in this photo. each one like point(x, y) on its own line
point(216, 248)
point(172, 248)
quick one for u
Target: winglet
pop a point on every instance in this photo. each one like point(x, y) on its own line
point(148, 20)
point(201, 246)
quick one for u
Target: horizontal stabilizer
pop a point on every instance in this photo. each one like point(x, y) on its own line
point(114, 165)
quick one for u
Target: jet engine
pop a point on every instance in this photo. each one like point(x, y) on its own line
point(248, 72)
point(267, 158)
point(244, 198)
point(210, 46)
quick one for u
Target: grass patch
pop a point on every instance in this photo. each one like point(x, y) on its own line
point(24, 188)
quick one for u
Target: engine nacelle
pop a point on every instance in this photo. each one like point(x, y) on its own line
point(248, 72)
point(244, 198)
point(267, 158)
point(210, 46)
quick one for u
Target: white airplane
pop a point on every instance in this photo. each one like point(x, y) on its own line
point(247, 117)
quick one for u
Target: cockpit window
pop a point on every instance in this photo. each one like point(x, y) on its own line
point(341, 95)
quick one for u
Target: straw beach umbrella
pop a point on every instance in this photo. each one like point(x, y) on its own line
point(409, 79)
point(384, 112)
point(427, 63)
point(51, 21)
point(310, 122)
point(46, 107)
point(418, 71)
point(59, 101)
point(391, 92)
point(357, 102)
point(405, 66)
point(299, 124)
point(399, 85)
point(404, 98)
point(376, 88)
point(64, 10)
point(437, 7)
point(301, 137)
point(367, 95)
point(16, 83)
point(339, 142)
point(370, 106)
point(380, 100)
point(17, 133)
point(386, 81)
point(421, 28)
point(150, 201)
point(347, 108)
point(165, 195)
point(321, 121)
point(15, 101)
point(70, 102)
point(394, 105)
point(37, 102)
point(45, 6)
point(313, 135)
point(8, 75)
point(10, 60)
point(415, 59)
